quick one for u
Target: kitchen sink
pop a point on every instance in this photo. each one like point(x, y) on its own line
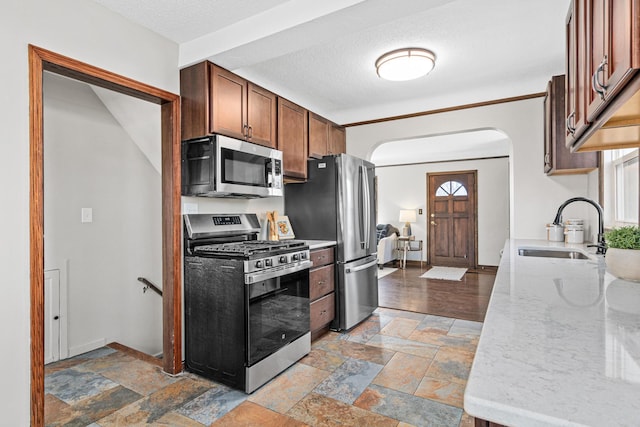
point(552, 253)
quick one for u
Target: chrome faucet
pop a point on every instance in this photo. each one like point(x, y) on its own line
point(601, 245)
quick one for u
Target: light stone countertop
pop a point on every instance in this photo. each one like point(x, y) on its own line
point(560, 344)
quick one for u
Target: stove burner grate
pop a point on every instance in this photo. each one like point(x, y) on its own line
point(247, 248)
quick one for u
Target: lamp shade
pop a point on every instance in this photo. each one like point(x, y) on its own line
point(407, 215)
point(405, 64)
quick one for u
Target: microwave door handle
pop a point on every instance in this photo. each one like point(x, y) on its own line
point(270, 171)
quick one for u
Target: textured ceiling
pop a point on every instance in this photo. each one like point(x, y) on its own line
point(321, 54)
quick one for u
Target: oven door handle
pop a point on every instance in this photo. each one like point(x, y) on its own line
point(260, 276)
point(361, 267)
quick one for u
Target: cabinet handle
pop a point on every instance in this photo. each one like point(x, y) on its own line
point(321, 282)
point(571, 129)
point(245, 130)
point(547, 159)
point(598, 87)
point(250, 132)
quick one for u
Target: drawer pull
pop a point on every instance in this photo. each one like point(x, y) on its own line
point(321, 282)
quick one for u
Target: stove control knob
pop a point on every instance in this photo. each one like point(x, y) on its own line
point(303, 255)
point(267, 262)
point(259, 264)
point(283, 259)
point(295, 257)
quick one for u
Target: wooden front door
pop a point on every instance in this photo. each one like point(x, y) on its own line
point(452, 218)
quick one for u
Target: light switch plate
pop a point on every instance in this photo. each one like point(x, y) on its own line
point(87, 215)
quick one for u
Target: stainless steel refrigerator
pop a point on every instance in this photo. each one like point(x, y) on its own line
point(338, 203)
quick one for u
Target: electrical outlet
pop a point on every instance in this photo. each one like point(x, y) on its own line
point(87, 215)
point(190, 208)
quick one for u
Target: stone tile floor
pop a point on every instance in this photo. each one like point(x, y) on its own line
point(397, 368)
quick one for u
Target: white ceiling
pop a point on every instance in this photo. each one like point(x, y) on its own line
point(320, 54)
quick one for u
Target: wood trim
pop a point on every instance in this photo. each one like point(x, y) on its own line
point(39, 61)
point(171, 235)
point(443, 161)
point(36, 236)
point(448, 109)
point(135, 353)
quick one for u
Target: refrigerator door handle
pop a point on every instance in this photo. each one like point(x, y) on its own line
point(361, 267)
point(366, 205)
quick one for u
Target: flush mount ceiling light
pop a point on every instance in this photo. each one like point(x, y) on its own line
point(405, 64)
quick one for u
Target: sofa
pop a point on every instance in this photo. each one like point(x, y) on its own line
point(386, 235)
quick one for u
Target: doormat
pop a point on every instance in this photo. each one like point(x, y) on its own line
point(445, 273)
point(385, 272)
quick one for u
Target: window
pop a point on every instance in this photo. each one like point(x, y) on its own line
point(625, 183)
point(451, 188)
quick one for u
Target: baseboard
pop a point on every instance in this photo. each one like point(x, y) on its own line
point(492, 269)
point(84, 348)
point(136, 353)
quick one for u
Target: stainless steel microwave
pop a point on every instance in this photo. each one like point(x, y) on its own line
point(219, 166)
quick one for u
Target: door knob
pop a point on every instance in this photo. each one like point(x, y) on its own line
point(433, 223)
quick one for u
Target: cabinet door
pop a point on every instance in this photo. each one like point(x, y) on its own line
point(228, 103)
point(318, 136)
point(575, 118)
point(261, 116)
point(623, 43)
point(596, 50)
point(558, 158)
point(337, 139)
point(612, 26)
point(292, 138)
point(547, 129)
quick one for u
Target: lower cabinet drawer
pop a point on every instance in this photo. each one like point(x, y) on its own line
point(321, 281)
point(322, 311)
point(321, 257)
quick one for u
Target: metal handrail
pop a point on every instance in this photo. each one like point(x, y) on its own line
point(149, 285)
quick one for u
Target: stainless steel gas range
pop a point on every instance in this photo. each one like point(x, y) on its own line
point(246, 301)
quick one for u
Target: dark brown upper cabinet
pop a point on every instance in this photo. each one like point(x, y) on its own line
point(292, 138)
point(318, 136)
point(215, 100)
point(603, 101)
point(337, 139)
point(558, 159)
point(575, 107)
point(325, 137)
point(612, 56)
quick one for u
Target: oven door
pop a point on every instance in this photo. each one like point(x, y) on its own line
point(247, 169)
point(278, 313)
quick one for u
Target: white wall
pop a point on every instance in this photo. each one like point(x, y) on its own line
point(405, 187)
point(90, 162)
point(85, 31)
point(534, 197)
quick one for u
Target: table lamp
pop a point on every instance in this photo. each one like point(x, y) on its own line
point(407, 216)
